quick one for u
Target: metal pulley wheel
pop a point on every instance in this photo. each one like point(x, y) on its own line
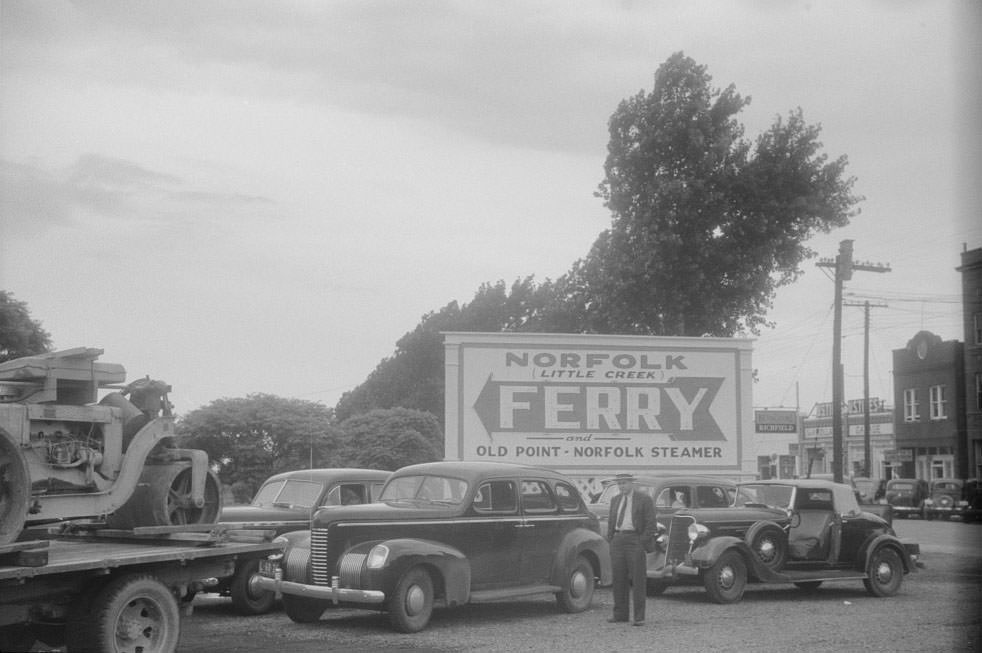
point(15, 489)
point(163, 498)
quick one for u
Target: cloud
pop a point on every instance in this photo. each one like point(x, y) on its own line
point(34, 199)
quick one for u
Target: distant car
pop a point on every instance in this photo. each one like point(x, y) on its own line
point(871, 490)
point(972, 495)
point(670, 494)
point(944, 499)
point(447, 532)
point(906, 496)
point(803, 532)
point(285, 502)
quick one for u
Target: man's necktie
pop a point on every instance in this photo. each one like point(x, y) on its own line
point(621, 509)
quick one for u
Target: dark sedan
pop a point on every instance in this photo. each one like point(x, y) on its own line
point(445, 533)
point(285, 502)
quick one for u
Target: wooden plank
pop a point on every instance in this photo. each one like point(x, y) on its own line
point(28, 554)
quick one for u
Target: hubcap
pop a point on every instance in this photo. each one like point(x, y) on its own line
point(577, 584)
point(415, 599)
point(766, 550)
point(726, 577)
point(138, 627)
point(884, 572)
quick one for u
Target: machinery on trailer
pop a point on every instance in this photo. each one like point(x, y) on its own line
point(107, 527)
point(66, 454)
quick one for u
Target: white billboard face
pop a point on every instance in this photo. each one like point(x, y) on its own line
point(594, 402)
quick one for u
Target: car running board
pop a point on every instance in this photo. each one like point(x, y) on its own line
point(493, 595)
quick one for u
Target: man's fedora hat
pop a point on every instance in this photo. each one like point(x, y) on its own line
point(624, 477)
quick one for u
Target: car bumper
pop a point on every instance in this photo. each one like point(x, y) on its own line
point(324, 592)
point(906, 510)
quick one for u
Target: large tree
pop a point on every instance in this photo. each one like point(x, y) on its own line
point(20, 334)
point(706, 226)
point(250, 438)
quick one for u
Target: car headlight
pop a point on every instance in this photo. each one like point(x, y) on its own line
point(696, 531)
point(377, 556)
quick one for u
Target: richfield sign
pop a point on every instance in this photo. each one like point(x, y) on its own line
point(588, 402)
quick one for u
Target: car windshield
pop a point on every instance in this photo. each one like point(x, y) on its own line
point(436, 489)
point(291, 493)
point(772, 496)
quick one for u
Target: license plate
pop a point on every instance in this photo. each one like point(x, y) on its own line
point(268, 568)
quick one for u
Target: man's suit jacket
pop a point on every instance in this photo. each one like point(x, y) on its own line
point(642, 514)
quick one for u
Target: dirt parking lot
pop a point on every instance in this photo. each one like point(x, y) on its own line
point(938, 609)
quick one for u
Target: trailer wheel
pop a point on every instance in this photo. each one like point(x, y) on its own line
point(135, 612)
point(246, 598)
point(15, 489)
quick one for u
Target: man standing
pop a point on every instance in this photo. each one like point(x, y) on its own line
point(630, 525)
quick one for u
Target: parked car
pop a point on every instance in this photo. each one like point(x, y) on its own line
point(944, 499)
point(906, 496)
point(972, 495)
point(670, 494)
point(285, 502)
point(871, 490)
point(803, 532)
point(447, 532)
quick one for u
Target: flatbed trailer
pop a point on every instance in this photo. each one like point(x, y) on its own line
point(92, 588)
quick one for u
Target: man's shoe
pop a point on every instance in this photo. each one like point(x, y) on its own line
point(615, 620)
point(638, 623)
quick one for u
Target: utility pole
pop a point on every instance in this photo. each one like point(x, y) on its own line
point(844, 266)
point(866, 447)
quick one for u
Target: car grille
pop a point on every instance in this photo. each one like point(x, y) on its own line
point(350, 571)
point(678, 538)
point(320, 574)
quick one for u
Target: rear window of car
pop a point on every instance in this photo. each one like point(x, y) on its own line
point(568, 497)
point(901, 486)
point(536, 498)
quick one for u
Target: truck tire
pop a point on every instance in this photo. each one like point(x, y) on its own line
point(411, 604)
point(726, 580)
point(133, 612)
point(15, 489)
point(247, 599)
point(578, 590)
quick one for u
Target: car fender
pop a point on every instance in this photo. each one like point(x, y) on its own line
point(706, 554)
point(449, 568)
point(875, 543)
point(591, 545)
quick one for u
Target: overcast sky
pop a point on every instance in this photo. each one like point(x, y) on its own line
point(242, 197)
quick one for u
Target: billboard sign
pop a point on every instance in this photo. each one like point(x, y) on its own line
point(578, 402)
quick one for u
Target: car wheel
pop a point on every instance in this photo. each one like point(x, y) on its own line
point(302, 610)
point(809, 585)
point(411, 605)
point(768, 545)
point(578, 591)
point(656, 587)
point(246, 598)
point(726, 580)
point(885, 573)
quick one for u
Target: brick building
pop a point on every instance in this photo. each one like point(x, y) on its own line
point(971, 269)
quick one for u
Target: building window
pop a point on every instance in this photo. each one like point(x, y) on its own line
point(939, 404)
point(978, 391)
point(978, 328)
point(910, 405)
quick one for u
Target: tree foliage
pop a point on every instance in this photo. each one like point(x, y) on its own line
point(20, 334)
point(390, 439)
point(706, 227)
point(252, 438)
